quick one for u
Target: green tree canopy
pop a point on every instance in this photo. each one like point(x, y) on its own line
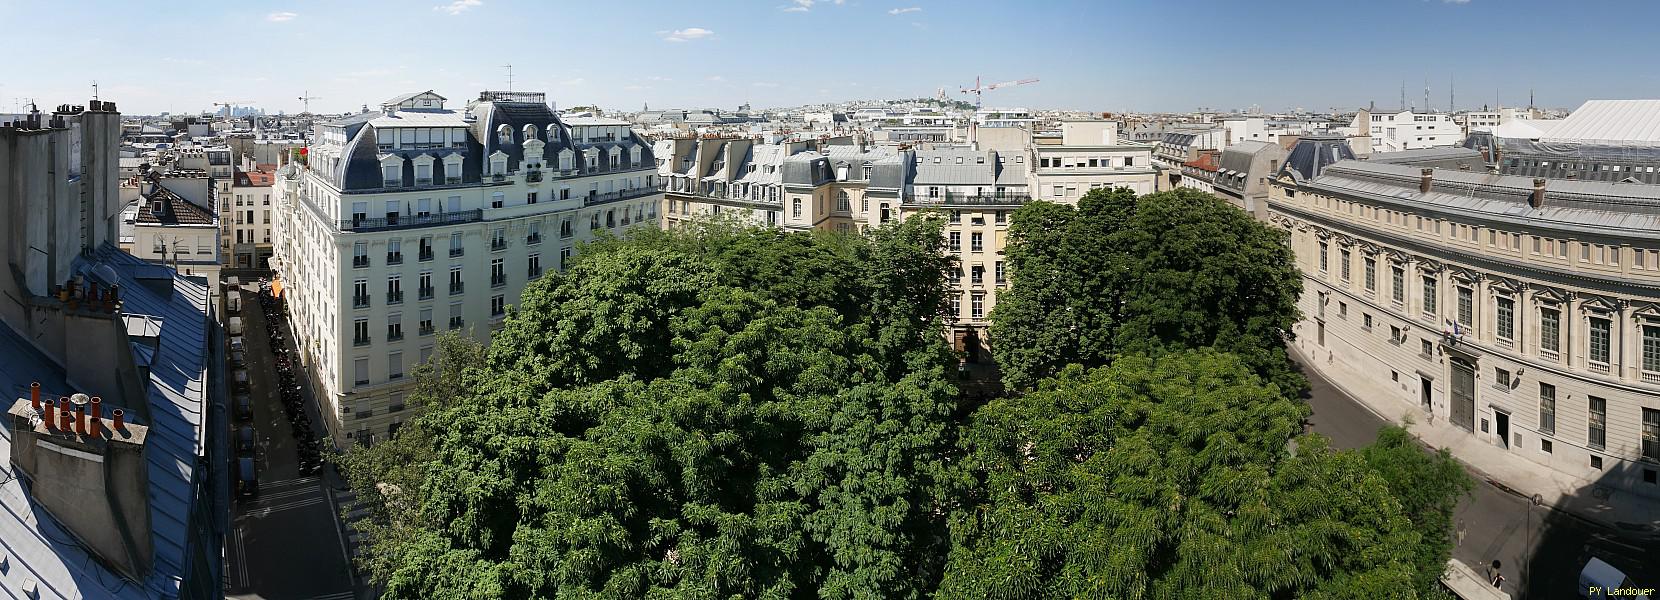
point(1172, 478)
point(1161, 272)
point(719, 412)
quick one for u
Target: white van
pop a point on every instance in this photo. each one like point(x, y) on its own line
point(234, 327)
point(1598, 580)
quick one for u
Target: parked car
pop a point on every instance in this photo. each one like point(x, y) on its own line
point(238, 358)
point(245, 440)
point(247, 483)
point(233, 304)
point(1600, 580)
point(236, 344)
point(239, 380)
point(244, 408)
point(234, 327)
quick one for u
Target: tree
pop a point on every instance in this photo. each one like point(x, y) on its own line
point(716, 412)
point(1158, 273)
point(1428, 486)
point(1170, 477)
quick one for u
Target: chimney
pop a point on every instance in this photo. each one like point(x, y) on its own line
point(120, 418)
point(1425, 178)
point(1537, 200)
point(34, 396)
point(97, 416)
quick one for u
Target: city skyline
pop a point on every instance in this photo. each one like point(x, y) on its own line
point(1088, 56)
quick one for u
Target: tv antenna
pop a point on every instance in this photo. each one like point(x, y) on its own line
point(95, 89)
point(509, 68)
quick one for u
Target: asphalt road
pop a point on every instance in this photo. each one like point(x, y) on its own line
point(285, 543)
point(1540, 550)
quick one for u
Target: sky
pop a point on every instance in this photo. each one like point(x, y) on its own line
point(1102, 55)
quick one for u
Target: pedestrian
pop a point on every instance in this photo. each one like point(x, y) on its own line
point(1493, 575)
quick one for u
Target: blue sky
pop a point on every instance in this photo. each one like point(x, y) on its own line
point(1172, 55)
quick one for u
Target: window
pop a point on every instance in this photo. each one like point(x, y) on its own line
point(1397, 281)
point(498, 277)
point(1371, 274)
point(956, 241)
point(455, 244)
point(498, 239)
point(426, 322)
point(360, 332)
point(976, 241)
point(1344, 256)
point(394, 252)
point(1466, 307)
point(1325, 252)
point(1651, 434)
point(998, 272)
point(497, 200)
point(1501, 379)
point(424, 287)
point(360, 293)
point(456, 284)
point(1597, 435)
point(498, 305)
point(1598, 340)
point(1547, 409)
point(1550, 330)
point(456, 321)
point(1366, 321)
point(976, 306)
point(394, 365)
point(394, 327)
point(394, 289)
point(1342, 309)
point(360, 254)
point(1429, 295)
point(955, 216)
point(1651, 350)
point(361, 367)
point(1427, 348)
point(535, 235)
point(426, 249)
point(977, 274)
point(564, 257)
point(843, 202)
point(1506, 317)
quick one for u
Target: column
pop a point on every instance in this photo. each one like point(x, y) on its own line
point(1525, 314)
point(1620, 344)
point(1572, 353)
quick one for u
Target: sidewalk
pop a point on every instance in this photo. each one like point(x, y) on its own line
point(1564, 492)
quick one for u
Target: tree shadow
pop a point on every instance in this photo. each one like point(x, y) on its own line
point(1567, 541)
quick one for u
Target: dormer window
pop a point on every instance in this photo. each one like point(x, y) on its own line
point(504, 134)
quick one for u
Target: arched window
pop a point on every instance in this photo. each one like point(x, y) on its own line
point(843, 202)
point(610, 218)
point(530, 132)
point(504, 134)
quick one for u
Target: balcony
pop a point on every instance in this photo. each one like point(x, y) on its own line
point(425, 293)
point(619, 195)
point(360, 302)
point(423, 181)
point(1600, 368)
point(454, 252)
point(954, 199)
point(394, 335)
point(533, 176)
point(455, 322)
point(457, 287)
point(497, 245)
point(426, 255)
point(359, 262)
point(1553, 356)
point(394, 258)
point(426, 328)
point(533, 272)
point(497, 281)
point(410, 221)
point(360, 341)
point(533, 239)
point(1651, 377)
point(395, 297)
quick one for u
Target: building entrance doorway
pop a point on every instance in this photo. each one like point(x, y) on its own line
point(1463, 394)
point(1426, 393)
point(1501, 426)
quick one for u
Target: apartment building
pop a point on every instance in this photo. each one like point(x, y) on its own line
point(1525, 311)
point(245, 222)
point(174, 223)
point(418, 218)
point(1402, 130)
point(1087, 155)
point(795, 185)
point(114, 486)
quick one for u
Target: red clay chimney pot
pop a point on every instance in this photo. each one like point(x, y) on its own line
point(120, 418)
point(34, 396)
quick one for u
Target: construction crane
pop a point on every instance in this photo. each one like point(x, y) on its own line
point(305, 99)
point(979, 89)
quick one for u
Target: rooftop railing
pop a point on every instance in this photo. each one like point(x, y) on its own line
point(410, 221)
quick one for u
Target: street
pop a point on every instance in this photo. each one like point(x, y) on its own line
point(285, 543)
point(1540, 550)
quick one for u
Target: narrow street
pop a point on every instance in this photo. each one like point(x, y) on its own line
point(286, 542)
point(1540, 550)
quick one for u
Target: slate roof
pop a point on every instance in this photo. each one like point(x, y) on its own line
point(1450, 157)
point(175, 210)
point(1593, 207)
point(40, 549)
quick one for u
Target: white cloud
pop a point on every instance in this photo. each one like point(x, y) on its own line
point(800, 6)
point(279, 17)
point(686, 35)
point(764, 84)
point(900, 11)
point(458, 6)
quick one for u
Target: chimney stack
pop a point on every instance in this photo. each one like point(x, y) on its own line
point(120, 418)
point(1425, 178)
point(80, 400)
point(97, 417)
point(49, 415)
point(1537, 200)
point(34, 396)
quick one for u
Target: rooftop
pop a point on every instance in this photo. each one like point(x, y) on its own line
point(174, 209)
point(1609, 121)
point(38, 547)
